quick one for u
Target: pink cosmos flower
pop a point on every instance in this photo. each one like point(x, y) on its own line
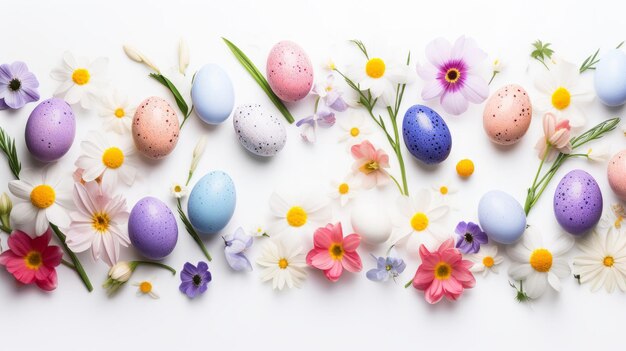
point(332, 253)
point(443, 273)
point(370, 164)
point(556, 137)
point(451, 75)
point(32, 260)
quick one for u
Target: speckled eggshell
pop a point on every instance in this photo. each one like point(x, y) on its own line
point(577, 202)
point(259, 131)
point(212, 202)
point(616, 173)
point(507, 115)
point(289, 71)
point(50, 130)
point(501, 217)
point(426, 135)
point(152, 228)
point(155, 128)
point(212, 94)
point(610, 78)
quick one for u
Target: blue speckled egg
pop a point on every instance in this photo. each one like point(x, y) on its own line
point(50, 130)
point(212, 202)
point(426, 135)
point(577, 202)
point(501, 217)
point(610, 78)
point(212, 94)
point(152, 228)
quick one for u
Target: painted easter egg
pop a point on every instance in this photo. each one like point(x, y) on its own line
point(212, 94)
point(610, 78)
point(371, 221)
point(289, 71)
point(50, 130)
point(507, 115)
point(501, 217)
point(617, 174)
point(259, 131)
point(577, 202)
point(426, 135)
point(152, 228)
point(212, 202)
point(155, 128)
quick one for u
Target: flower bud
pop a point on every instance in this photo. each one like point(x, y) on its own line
point(5, 204)
point(197, 153)
point(119, 274)
point(137, 56)
point(183, 56)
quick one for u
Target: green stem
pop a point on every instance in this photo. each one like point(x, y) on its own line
point(188, 178)
point(186, 117)
point(398, 151)
point(192, 231)
point(156, 264)
point(396, 181)
point(408, 283)
point(78, 267)
point(492, 77)
point(68, 264)
point(6, 229)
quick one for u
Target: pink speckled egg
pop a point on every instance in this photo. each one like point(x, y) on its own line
point(507, 115)
point(617, 174)
point(155, 128)
point(289, 71)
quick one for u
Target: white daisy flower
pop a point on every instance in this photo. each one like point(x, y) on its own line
point(283, 264)
point(354, 128)
point(486, 260)
point(446, 191)
point(603, 261)
point(417, 221)
point(42, 199)
point(295, 214)
point(117, 113)
point(613, 220)
point(107, 156)
point(539, 261)
point(179, 190)
point(344, 191)
point(258, 231)
point(146, 287)
point(81, 81)
point(563, 93)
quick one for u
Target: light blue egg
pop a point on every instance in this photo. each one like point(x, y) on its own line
point(610, 78)
point(212, 202)
point(501, 217)
point(212, 94)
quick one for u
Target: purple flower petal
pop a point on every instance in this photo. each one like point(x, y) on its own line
point(454, 102)
point(339, 104)
point(325, 119)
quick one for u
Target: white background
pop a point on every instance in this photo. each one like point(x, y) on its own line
point(238, 311)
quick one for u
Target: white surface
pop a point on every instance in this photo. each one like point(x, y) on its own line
point(238, 311)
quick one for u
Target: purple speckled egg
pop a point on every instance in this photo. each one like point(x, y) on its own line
point(155, 128)
point(152, 228)
point(50, 130)
point(289, 71)
point(577, 202)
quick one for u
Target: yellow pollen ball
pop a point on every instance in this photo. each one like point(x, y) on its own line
point(375, 68)
point(443, 271)
point(296, 216)
point(541, 260)
point(608, 261)
point(561, 98)
point(145, 287)
point(465, 168)
point(419, 221)
point(100, 221)
point(42, 196)
point(119, 112)
point(113, 157)
point(488, 261)
point(283, 263)
point(344, 188)
point(443, 190)
point(33, 260)
point(81, 76)
point(354, 131)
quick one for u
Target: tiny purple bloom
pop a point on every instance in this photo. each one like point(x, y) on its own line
point(18, 86)
point(236, 245)
point(329, 94)
point(470, 237)
point(308, 125)
point(194, 280)
point(386, 267)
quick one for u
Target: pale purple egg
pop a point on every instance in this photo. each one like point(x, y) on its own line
point(577, 202)
point(152, 228)
point(289, 71)
point(155, 128)
point(50, 130)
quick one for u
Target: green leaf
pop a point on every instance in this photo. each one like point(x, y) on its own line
point(259, 78)
point(7, 145)
point(541, 52)
point(182, 105)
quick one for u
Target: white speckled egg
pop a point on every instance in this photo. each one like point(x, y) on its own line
point(258, 131)
point(155, 128)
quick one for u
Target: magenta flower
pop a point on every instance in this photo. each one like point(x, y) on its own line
point(451, 75)
point(18, 86)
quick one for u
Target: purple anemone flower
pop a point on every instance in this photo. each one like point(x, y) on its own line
point(18, 86)
point(470, 237)
point(194, 280)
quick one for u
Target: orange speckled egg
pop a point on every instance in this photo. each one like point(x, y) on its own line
point(155, 128)
point(617, 174)
point(507, 115)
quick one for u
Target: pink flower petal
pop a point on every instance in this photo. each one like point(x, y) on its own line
point(423, 279)
point(438, 51)
point(351, 242)
point(435, 292)
point(334, 272)
point(322, 238)
point(50, 283)
point(454, 102)
point(19, 243)
point(336, 232)
point(319, 259)
point(475, 89)
point(432, 89)
point(352, 262)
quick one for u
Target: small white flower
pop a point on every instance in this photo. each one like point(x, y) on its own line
point(613, 220)
point(297, 214)
point(179, 190)
point(283, 264)
point(330, 65)
point(354, 128)
point(486, 260)
point(137, 56)
point(599, 153)
point(258, 231)
point(497, 65)
point(146, 287)
point(117, 113)
point(110, 156)
point(345, 190)
point(446, 192)
point(82, 81)
point(603, 261)
point(197, 153)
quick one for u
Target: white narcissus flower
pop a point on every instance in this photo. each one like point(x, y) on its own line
point(283, 264)
point(486, 260)
point(179, 190)
point(603, 261)
point(81, 81)
point(117, 113)
point(344, 191)
point(297, 214)
point(538, 261)
point(354, 129)
point(108, 156)
point(43, 198)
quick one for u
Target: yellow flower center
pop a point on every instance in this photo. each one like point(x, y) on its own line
point(369, 167)
point(419, 221)
point(453, 75)
point(618, 222)
point(488, 261)
point(336, 251)
point(42, 196)
point(443, 271)
point(283, 263)
point(296, 216)
point(541, 260)
point(145, 287)
point(119, 112)
point(443, 190)
point(81, 76)
point(113, 157)
point(354, 131)
point(343, 188)
point(100, 221)
point(608, 261)
point(561, 98)
point(33, 260)
point(329, 88)
point(177, 188)
point(375, 68)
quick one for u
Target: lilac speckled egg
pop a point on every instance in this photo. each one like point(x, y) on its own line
point(617, 174)
point(155, 128)
point(289, 71)
point(152, 228)
point(507, 115)
point(50, 130)
point(426, 135)
point(577, 202)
